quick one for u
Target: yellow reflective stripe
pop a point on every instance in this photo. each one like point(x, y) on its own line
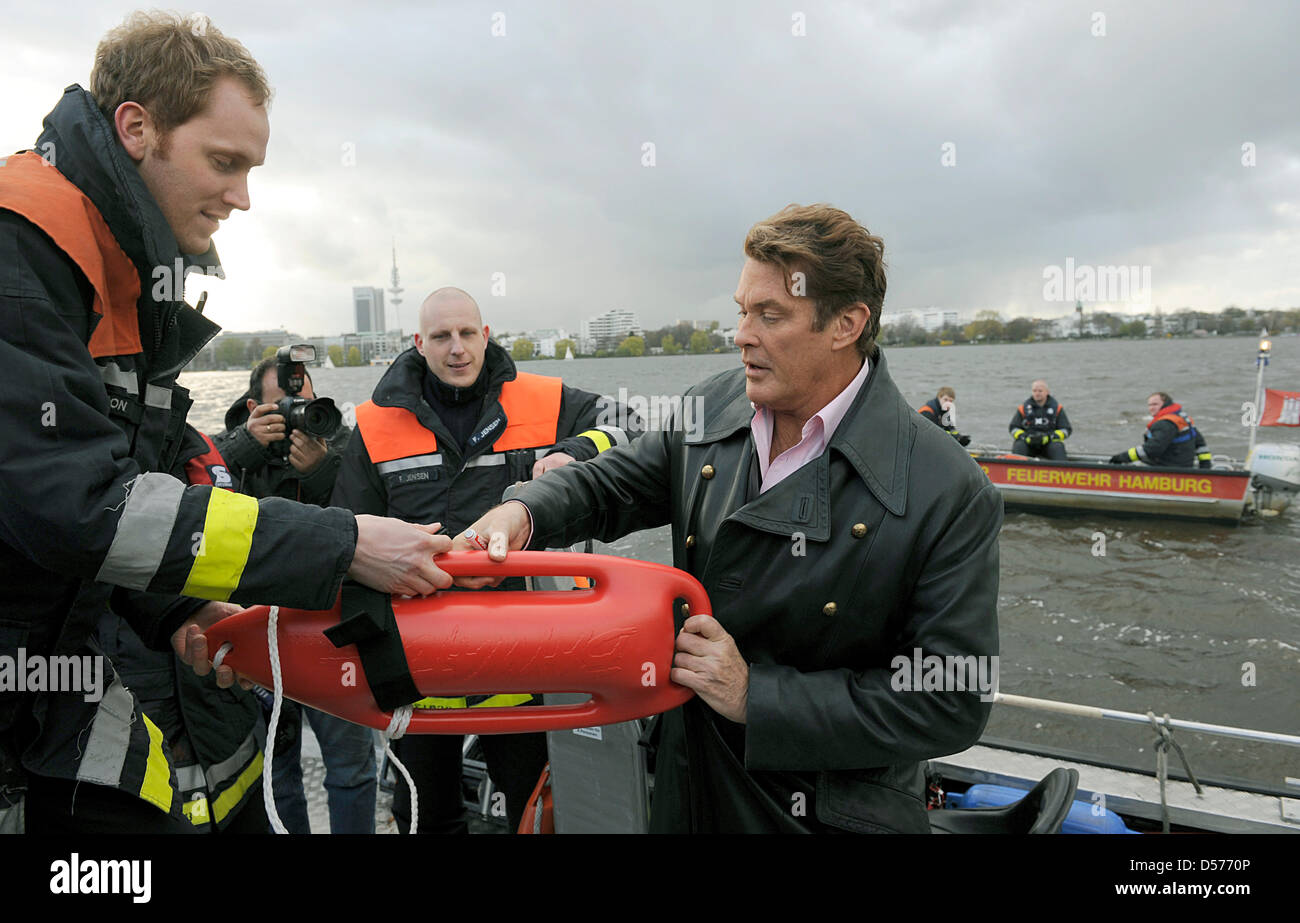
point(436, 702)
point(602, 440)
point(223, 550)
point(157, 785)
point(196, 811)
point(1133, 454)
point(230, 798)
point(501, 700)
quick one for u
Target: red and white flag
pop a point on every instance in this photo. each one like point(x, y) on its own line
point(1281, 408)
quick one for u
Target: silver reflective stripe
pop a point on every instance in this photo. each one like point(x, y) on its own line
point(486, 461)
point(234, 764)
point(153, 501)
point(190, 778)
point(155, 396)
point(110, 736)
point(404, 464)
point(113, 375)
point(616, 435)
point(541, 453)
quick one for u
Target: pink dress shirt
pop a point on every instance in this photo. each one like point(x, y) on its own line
point(817, 433)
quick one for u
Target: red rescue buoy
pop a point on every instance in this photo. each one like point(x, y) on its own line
point(614, 641)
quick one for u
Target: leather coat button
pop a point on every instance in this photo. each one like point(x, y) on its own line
point(859, 529)
point(829, 609)
point(707, 472)
point(690, 541)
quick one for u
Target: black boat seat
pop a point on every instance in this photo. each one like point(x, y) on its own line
point(1042, 810)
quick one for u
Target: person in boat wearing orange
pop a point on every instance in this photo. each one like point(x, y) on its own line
point(1040, 426)
point(941, 410)
point(1171, 439)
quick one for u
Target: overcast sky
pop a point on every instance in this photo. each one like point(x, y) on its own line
point(1109, 133)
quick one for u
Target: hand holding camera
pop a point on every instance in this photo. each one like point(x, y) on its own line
point(266, 424)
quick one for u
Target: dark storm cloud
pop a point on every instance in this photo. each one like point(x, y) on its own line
point(522, 153)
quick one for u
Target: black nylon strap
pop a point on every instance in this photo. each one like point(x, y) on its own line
point(367, 620)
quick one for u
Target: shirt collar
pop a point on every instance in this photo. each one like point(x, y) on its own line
point(827, 420)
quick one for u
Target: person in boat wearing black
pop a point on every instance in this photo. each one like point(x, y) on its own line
point(254, 445)
point(124, 188)
point(450, 426)
point(1039, 426)
point(1171, 439)
point(941, 410)
point(836, 534)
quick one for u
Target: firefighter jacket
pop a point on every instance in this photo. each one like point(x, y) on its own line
point(215, 736)
point(93, 332)
point(1171, 440)
point(401, 461)
point(1045, 419)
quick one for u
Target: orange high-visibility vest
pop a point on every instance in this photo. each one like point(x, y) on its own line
point(30, 187)
point(531, 404)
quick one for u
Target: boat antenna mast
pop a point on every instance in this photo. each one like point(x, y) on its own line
point(1261, 360)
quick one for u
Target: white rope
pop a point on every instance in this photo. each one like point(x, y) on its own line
point(396, 728)
point(277, 683)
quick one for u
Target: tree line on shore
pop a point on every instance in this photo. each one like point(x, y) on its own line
point(988, 327)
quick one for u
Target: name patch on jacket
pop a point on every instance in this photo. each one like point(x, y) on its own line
point(407, 477)
point(486, 431)
point(121, 404)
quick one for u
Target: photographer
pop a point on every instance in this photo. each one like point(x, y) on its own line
point(254, 444)
point(303, 467)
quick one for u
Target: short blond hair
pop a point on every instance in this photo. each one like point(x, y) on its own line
point(169, 63)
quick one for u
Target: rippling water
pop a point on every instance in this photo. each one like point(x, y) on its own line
point(1168, 620)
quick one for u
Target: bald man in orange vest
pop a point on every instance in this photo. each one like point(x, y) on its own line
point(450, 426)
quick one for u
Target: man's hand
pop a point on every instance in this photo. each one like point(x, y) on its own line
point(397, 557)
point(191, 644)
point(708, 662)
point(306, 452)
point(265, 424)
point(507, 527)
point(554, 460)
point(1120, 458)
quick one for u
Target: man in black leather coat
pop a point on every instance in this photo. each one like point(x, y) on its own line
point(839, 537)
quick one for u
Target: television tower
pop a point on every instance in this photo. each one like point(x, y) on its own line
point(395, 291)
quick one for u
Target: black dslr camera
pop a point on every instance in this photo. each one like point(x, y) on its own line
point(317, 417)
